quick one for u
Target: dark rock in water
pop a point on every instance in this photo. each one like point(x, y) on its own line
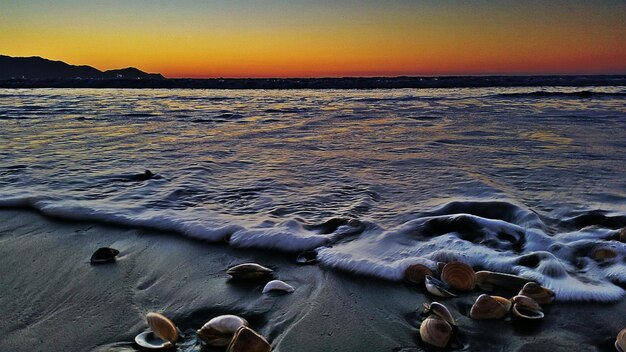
point(104, 255)
point(622, 235)
point(142, 177)
point(307, 257)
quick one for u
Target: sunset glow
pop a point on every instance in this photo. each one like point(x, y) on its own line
point(322, 38)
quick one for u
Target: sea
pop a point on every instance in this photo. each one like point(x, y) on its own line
point(528, 181)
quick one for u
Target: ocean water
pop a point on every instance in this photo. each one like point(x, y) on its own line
point(530, 181)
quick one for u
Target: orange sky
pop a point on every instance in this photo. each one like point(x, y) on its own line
point(275, 38)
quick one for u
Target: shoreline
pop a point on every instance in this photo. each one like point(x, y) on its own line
point(54, 300)
point(341, 83)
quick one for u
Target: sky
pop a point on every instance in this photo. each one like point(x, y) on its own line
point(319, 38)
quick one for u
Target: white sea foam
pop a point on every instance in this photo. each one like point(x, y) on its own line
point(563, 262)
point(570, 271)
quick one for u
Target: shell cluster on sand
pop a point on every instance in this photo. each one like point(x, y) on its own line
point(224, 330)
point(439, 326)
point(257, 273)
point(455, 277)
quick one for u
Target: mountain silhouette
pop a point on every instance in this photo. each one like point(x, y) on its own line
point(34, 68)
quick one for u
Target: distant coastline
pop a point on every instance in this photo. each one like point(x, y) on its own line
point(323, 83)
point(37, 72)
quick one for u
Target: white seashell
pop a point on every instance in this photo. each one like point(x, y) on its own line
point(437, 287)
point(149, 340)
point(219, 330)
point(162, 327)
point(278, 285)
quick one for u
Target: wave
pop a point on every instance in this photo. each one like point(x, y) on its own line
point(582, 94)
point(489, 235)
point(398, 99)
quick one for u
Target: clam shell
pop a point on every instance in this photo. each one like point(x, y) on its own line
point(437, 287)
point(104, 255)
point(416, 273)
point(162, 327)
point(149, 340)
point(440, 266)
point(537, 292)
point(249, 271)
point(526, 308)
point(490, 307)
point(441, 311)
point(248, 340)
point(435, 331)
point(278, 285)
point(488, 280)
point(219, 330)
point(620, 342)
point(459, 276)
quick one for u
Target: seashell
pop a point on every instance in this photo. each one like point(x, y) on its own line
point(620, 342)
point(440, 310)
point(104, 255)
point(488, 280)
point(249, 271)
point(440, 266)
point(437, 287)
point(435, 331)
point(278, 285)
point(307, 257)
point(416, 273)
point(219, 331)
point(490, 307)
point(526, 308)
point(537, 292)
point(162, 327)
point(602, 254)
point(459, 276)
point(150, 341)
point(248, 340)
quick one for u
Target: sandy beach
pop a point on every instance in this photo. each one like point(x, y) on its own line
point(53, 299)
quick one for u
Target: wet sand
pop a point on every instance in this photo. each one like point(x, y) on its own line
point(53, 299)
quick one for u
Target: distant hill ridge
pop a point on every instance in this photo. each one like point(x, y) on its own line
point(36, 68)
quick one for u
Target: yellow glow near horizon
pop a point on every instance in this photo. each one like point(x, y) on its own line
point(303, 39)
